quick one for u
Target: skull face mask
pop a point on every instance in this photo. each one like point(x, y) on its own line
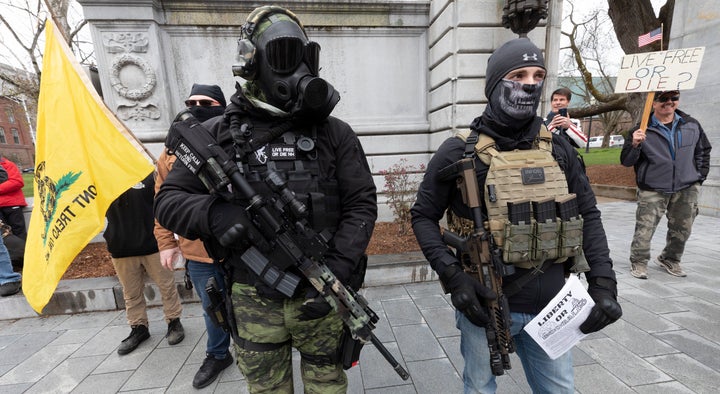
point(514, 100)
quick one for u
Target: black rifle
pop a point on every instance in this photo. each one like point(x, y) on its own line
point(285, 231)
point(482, 259)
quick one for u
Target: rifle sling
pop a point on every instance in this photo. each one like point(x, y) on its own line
point(514, 287)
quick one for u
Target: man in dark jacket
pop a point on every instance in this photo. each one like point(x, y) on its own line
point(671, 160)
point(515, 75)
point(278, 123)
point(205, 102)
point(134, 251)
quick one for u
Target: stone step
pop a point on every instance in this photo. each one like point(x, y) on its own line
point(103, 294)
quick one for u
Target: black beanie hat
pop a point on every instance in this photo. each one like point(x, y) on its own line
point(514, 54)
point(212, 91)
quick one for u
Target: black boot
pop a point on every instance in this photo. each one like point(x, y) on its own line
point(175, 333)
point(138, 334)
point(210, 369)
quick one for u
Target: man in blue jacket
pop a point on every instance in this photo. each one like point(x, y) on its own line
point(671, 160)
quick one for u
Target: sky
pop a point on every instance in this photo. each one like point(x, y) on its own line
point(582, 9)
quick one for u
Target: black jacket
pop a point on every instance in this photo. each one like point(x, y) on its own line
point(435, 196)
point(668, 168)
point(183, 204)
point(130, 225)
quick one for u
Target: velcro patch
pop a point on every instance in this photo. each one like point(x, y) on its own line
point(532, 175)
point(282, 152)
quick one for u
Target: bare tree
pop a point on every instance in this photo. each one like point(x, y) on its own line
point(22, 24)
point(630, 19)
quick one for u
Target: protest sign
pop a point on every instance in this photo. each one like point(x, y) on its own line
point(675, 69)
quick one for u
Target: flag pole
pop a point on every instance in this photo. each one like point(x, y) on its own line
point(122, 128)
point(651, 95)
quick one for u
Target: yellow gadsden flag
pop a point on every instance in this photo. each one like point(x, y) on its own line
point(84, 161)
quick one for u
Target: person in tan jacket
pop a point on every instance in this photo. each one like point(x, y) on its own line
point(205, 102)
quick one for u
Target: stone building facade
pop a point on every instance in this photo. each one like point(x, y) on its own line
point(410, 72)
point(16, 141)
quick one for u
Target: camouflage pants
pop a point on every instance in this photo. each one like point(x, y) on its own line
point(266, 321)
point(681, 208)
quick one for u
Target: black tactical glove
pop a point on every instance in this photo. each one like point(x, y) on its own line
point(314, 306)
point(606, 310)
point(229, 224)
point(466, 294)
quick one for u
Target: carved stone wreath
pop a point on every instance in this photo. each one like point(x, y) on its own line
point(132, 94)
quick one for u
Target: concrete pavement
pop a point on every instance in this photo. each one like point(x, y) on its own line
point(667, 340)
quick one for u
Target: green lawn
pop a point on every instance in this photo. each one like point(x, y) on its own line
point(28, 188)
point(598, 156)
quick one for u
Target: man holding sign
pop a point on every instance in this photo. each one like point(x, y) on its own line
point(671, 159)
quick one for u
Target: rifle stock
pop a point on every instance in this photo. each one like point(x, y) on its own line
point(284, 228)
point(481, 259)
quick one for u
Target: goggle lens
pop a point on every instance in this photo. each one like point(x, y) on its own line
point(284, 54)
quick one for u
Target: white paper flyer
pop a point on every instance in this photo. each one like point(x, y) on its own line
point(557, 327)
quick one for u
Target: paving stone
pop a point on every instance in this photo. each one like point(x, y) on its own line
point(430, 302)
point(14, 388)
point(67, 375)
point(441, 321)
point(663, 388)
point(38, 365)
point(158, 369)
point(636, 340)
point(85, 320)
point(417, 342)
point(102, 383)
point(697, 323)
point(26, 346)
point(594, 378)
point(400, 312)
point(385, 293)
point(688, 371)
point(79, 335)
point(435, 376)
point(376, 371)
point(695, 346)
point(650, 302)
point(418, 290)
point(30, 325)
point(645, 320)
point(620, 362)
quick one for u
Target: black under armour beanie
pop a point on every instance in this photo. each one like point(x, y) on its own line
point(212, 91)
point(514, 54)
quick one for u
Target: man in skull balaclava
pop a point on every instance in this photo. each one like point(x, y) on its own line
point(278, 127)
point(510, 125)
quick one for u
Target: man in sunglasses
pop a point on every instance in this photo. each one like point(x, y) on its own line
point(205, 102)
point(278, 124)
point(671, 160)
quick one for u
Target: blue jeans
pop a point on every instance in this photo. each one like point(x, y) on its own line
point(7, 275)
point(543, 374)
point(218, 341)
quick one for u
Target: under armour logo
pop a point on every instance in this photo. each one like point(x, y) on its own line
point(527, 58)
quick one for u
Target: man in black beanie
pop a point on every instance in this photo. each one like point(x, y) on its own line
point(538, 167)
point(205, 101)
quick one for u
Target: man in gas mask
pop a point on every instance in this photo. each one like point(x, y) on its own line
point(508, 126)
point(278, 122)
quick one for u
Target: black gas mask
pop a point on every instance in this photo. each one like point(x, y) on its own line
point(284, 64)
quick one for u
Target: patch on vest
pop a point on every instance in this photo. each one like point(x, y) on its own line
point(533, 175)
point(282, 152)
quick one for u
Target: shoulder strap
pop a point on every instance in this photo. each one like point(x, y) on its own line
point(481, 144)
